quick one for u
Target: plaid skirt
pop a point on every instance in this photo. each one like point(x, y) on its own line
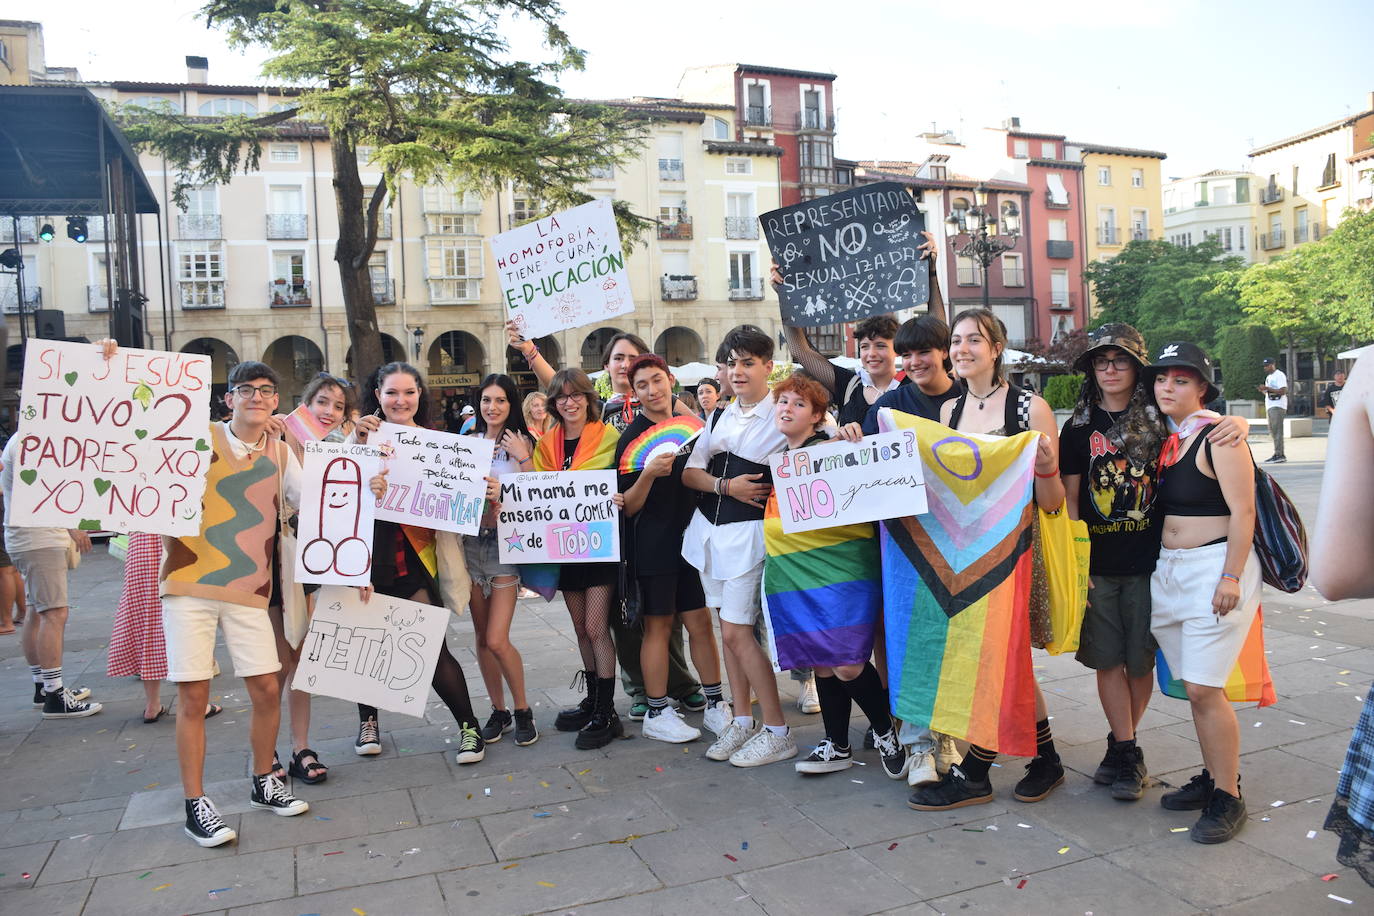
point(137, 646)
point(1352, 814)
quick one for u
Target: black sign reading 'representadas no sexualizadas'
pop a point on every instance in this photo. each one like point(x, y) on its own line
point(849, 255)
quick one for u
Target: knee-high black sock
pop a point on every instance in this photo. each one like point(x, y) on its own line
point(867, 690)
point(835, 709)
point(977, 762)
point(1044, 740)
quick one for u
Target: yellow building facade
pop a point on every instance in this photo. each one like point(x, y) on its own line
point(1121, 199)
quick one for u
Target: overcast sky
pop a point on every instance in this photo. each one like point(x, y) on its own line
point(1201, 81)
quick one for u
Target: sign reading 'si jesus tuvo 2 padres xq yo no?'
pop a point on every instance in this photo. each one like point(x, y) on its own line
point(849, 255)
point(118, 445)
point(563, 271)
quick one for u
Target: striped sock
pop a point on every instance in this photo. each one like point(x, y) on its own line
point(711, 692)
point(656, 704)
point(36, 672)
point(1044, 740)
point(52, 679)
point(977, 762)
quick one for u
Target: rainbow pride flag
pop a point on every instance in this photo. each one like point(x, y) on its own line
point(821, 592)
point(302, 424)
point(956, 589)
point(1249, 681)
point(670, 436)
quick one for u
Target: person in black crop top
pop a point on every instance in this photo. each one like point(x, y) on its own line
point(1205, 588)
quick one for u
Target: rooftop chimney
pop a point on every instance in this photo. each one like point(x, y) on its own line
point(197, 70)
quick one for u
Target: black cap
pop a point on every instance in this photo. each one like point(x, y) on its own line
point(1115, 334)
point(1268, 361)
point(1188, 355)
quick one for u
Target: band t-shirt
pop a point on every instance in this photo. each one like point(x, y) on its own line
point(1115, 498)
point(1331, 397)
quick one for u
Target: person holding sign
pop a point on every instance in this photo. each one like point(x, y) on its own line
point(411, 562)
point(495, 585)
point(724, 541)
point(583, 444)
point(658, 508)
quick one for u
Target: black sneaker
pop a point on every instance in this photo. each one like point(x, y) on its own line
point(78, 694)
point(1129, 784)
point(1106, 770)
point(497, 725)
point(574, 718)
point(525, 732)
point(204, 825)
point(369, 743)
point(38, 695)
point(895, 757)
point(826, 758)
point(270, 792)
point(63, 705)
point(600, 730)
point(1043, 775)
point(1192, 797)
point(471, 747)
point(953, 790)
point(870, 739)
point(1222, 819)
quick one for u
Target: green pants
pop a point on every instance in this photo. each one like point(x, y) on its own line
point(627, 643)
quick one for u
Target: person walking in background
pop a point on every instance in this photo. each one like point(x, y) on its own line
point(1275, 391)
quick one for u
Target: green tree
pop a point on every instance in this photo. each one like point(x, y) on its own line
point(429, 87)
point(1342, 265)
point(1240, 354)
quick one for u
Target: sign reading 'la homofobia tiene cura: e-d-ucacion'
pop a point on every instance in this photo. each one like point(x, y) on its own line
point(563, 271)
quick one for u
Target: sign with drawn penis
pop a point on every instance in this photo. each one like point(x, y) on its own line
point(116, 445)
point(434, 479)
point(848, 255)
point(381, 653)
point(558, 517)
point(334, 537)
point(563, 271)
point(841, 483)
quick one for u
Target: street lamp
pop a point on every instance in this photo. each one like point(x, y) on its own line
point(983, 242)
point(419, 334)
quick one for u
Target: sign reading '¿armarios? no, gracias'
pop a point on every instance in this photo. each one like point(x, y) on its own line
point(849, 255)
point(120, 445)
point(840, 483)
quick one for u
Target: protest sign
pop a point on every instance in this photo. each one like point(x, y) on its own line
point(563, 271)
point(334, 538)
point(558, 517)
point(840, 483)
point(118, 445)
point(434, 479)
point(381, 653)
point(848, 255)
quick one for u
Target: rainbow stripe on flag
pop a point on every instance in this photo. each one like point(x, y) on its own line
point(956, 589)
point(821, 592)
point(302, 424)
point(1249, 681)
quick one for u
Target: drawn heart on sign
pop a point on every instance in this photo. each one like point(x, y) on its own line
point(201, 446)
point(70, 378)
point(101, 485)
point(409, 698)
point(90, 524)
point(311, 680)
point(140, 433)
point(28, 476)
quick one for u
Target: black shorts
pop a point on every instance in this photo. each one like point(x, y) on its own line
point(578, 577)
point(671, 593)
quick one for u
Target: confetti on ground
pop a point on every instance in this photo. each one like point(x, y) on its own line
point(744, 846)
point(658, 769)
point(161, 887)
point(624, 839)
point(487, 792)
point(469, 796)
point(543, 784)
point(1178, 829)
point(1063, 849)
point(1277, 804)
point(510, 777)
point(1343, 672)
point(1342, 684)
point(1020, 884)
point(359, 912)
point(1266, 819)
point(730, 857)
point(1339, 899)
point(860, 763)
point(152, 785)
point(510, 866)
point(545, 884)
point(337, 852)
point(973, 830)
point(1296, 722)
point(584, 772)
point(217, 891)
point(321, 817)
point(542, 814)
point(1258, 724)
point(144, 875)
point(1330, 877)
point(1027, 826)
point(26, 877)
point(1311, 834)
point(859, 781)
point(992, 827)
point(891, 847)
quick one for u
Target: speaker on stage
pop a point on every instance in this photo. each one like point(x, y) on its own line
point(49, 324)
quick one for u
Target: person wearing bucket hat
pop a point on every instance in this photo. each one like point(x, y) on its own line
point(1108, 457)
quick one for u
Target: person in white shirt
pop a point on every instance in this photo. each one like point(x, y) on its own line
point(1275, 391)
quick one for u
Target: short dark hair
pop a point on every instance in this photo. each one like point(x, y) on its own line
point(928, 332)
point(647, 361)
point(884, 326)
point(635, 341)
point(250, 370)
point(745, 338)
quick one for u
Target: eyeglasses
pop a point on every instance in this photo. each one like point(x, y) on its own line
point(562, 398)
point(247, 391)
point(1119, 363)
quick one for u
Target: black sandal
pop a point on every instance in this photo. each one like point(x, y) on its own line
point(277, 767)
point(301, 771)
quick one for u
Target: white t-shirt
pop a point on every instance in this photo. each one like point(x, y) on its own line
point(1276, 379)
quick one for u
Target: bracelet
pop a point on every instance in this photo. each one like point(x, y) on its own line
point(1054, 473)
point(716, 485)
point(534, 351)
point(1235, 579)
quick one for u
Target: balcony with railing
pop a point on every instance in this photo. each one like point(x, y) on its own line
point(676, 231)
point(1300, 233)
point(741, 227)
point(199, 226)
point(286, 225)
point(383, 291)
point(28, 229)
point(97, 298)
point(758, 116)
point(670, 170)
point(1055, 203)
point(198, 295)
point(1062, 300)
point(1140, 234)
point(679, 288)
point(814, 119)
point(1108, 235)
point(288, 295)
point(9, 299)
point(1271, 240)
point(1059, 249)
point(1271, 194)
point(969, 275)
point(746, 289)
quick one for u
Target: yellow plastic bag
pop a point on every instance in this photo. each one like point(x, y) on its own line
point(1064, 544)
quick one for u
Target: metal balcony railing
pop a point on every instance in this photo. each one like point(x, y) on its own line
point(1140, 234)
point(751, 289)
point(1059, 249)
point(758, 116)
point(969, 276)
point(286, 225)
point(1062, 301)
point(1108, 235)
point(812, 119)
point(383, 291)
point(1053, 204)
point(97, 298)
point(1299, 234)
point(741, 227)
point(1271, 240)
point(28, 229)
point(202, 294)
point(670, 170)
point(199, 226)
point(9, 299)
point(678, 288)
point(288, 295)
point(1271, 194)
point(679, 231)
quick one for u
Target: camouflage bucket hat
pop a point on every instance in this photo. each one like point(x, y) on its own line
point(1116, 334)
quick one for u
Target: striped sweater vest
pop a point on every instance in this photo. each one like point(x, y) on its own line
point(231, 558)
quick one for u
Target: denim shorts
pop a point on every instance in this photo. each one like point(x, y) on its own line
point(481, 553)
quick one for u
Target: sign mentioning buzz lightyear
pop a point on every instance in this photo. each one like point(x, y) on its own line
point(841, 483)
point(334, 538)
point(848, 255)
point(119, 445)
point(558, 517)
point(381, 653)
point(563, 271)
point(434, 479)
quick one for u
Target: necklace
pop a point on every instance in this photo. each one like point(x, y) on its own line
point(981, 398)
point(745, 408)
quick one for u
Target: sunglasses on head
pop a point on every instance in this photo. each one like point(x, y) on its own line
point(335, 379)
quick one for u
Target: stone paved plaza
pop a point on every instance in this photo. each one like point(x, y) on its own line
point(90, 810)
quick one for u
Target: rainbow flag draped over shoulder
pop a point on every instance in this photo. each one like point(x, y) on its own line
point(956, 589)
point(1249, 681)
point(821, 592)
point(595, 452)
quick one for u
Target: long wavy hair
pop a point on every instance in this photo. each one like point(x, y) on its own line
point(515, 420)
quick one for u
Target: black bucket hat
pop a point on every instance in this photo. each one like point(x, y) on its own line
point(1115, 334)
point(1189, 356)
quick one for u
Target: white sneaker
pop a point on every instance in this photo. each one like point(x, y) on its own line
point(765, 747)
point(731, 740)
point(922, 770)
point(826, 758)
point(668, 726)
point(717, 717)
point(946, 753)
point(808, 701)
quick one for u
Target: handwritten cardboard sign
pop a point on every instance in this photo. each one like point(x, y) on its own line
point(381, 653)
point(563, 271)
point(118, 445)
point(334, 538)
point(558, 517)
point(840, 483)
point(848, 255)
point(434, 479)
